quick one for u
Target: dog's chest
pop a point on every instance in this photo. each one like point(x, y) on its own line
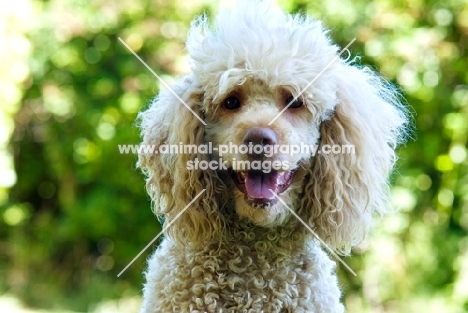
point(239, 278)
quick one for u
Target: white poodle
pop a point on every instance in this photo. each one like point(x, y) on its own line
point(238, 247)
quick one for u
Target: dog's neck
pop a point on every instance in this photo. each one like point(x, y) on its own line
point(283, 239)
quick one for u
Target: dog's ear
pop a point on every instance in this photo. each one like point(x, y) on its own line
point(345, 187)
point(170, 183)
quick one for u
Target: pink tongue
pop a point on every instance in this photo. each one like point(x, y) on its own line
point(258, 183)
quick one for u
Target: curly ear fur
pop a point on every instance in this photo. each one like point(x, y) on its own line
point(343, 190)
point(170, 184)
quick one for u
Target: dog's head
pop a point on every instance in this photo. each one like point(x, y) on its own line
point(290, 126)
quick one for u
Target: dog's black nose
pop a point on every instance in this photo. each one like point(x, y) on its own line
point(260, 136)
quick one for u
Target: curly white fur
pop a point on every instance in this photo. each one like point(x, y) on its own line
point(224, 254)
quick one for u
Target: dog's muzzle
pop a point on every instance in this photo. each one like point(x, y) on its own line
point(258, 185)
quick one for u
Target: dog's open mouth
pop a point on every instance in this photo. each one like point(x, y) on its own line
point(256, 185)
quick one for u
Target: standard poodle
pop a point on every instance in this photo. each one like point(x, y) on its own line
point(263, 78)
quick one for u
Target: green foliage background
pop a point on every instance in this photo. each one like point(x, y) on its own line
point(73, 211)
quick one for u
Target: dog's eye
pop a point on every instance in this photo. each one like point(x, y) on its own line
point(295, 103)
point(232, 103)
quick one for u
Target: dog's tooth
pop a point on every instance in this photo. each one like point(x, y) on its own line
point(280, 178)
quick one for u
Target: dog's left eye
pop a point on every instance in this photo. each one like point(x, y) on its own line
point(232, 103)
point(295, 103)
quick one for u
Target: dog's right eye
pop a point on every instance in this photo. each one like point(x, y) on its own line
point(293, 104)
point(232, 103)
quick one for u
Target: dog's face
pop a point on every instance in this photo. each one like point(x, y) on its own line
point(245, 70)
point(249, 73)
point(265, 134)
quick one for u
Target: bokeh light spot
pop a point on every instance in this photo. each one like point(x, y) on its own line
point(403, 198)
point(105, 245)
point(445, 197)
point(85, 151)
point(130, 102)
point(15, 214)
point(106, 131)
point(460, 96)
point(92, 55)
point(103, 87)
point(105, 263)
point(423, 182)
point(430, 78)
point(444, 163)
point(455, 121)
point(135, 42)
point(458, 154)
point(443, 17)
point(102, 42)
